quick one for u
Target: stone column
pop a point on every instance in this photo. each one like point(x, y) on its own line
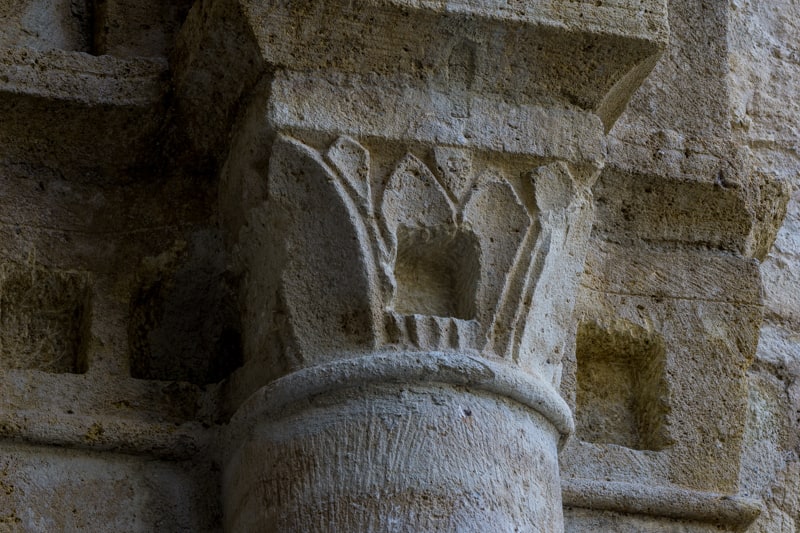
point(408, 196)
point(415, 337)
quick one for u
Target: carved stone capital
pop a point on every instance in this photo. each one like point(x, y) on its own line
point(408, 195)
point(353, 251)
point(444, 275)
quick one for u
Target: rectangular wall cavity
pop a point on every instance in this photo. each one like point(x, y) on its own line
point(43, 317)
point(621, 392)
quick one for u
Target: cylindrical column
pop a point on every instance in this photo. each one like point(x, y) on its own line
point(407, 194)
point(410, 324)
point(424, 441)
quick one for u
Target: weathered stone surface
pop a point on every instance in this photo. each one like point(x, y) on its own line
point(683, 202)
point(64, 25)
point(48, 489)
point(326, 265)
point(413, 200)
point(386, 468)
point(399, 262)
point(83, 115)
point(623, 506)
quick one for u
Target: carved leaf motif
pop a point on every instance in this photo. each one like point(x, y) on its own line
point(566, 222)
point(455, 167)
point(328, 273)
point(352, 161)
point(413, 198)
point(501, 223)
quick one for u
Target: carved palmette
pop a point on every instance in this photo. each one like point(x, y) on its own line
point(417, 260)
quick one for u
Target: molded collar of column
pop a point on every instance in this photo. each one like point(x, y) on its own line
point(416, 368)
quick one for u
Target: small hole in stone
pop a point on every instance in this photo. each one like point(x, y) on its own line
point(436, 271)
point(621, 389)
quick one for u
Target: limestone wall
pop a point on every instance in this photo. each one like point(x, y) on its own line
point(112, 296)
point(764, 107)
point(168, 356)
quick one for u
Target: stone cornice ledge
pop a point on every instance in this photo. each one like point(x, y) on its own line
point(159, 440)
point(345, 104)
point(624, 17)
point(83, 114)
point(518, 52)
point(81, 78)
point(579, 56)
point(411, 368)
point(668, 502)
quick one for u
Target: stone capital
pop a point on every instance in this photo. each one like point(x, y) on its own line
point(406, 186)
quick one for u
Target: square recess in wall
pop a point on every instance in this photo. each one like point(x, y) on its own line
point(621, 391)
point(42, 320)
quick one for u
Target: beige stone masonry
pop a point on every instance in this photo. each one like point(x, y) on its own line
point(399, 265)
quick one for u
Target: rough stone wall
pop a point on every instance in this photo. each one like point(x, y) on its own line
point(113, 297)
point(119, 319)
point(717, 116)
point(711, 133)
point(671, 307)
point(765, 72)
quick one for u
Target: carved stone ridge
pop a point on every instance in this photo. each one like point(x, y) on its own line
point(414, 260)
point(281, 396)
point(735, 512)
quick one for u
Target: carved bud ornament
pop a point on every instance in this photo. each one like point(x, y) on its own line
point(479, 261)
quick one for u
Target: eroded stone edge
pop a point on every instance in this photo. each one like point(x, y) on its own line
point(105, 434)
point(665, 502)
point(409, 368)
point(81, 78)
